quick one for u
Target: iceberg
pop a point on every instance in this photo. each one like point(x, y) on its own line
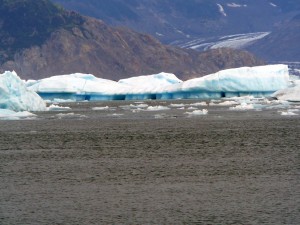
point(15, 96)
point(75, 87)
point(258, 81)
point(291, 93)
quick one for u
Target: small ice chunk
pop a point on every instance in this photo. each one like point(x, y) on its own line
point(177, 105)
point(101, 108)
point(157, 108)
point(198, 112)
point(288, 113)
point(226, 103)
point(242, 107)
point(191, 108)
point(141, 105)
point(69, 115)
point(116, 114)
point(6, 114)
point(54, 107)
point(199, 104)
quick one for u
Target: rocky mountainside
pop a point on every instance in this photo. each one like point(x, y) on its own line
point(282, 44)
point(43, 40)
point(24, 24)
point(171, 20)
point(204, 24)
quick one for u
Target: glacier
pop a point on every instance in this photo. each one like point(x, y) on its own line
point(260, 81)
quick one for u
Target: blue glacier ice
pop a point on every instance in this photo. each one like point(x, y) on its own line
point(15, 96)
point(258, 81)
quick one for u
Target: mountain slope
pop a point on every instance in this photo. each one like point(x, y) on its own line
point(282, 44)
point(23, 24)
point(206, 24)
point(171, 20)
point(82, 44)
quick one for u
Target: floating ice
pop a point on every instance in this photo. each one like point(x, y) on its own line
point(150, 83)
point(116, 114)
point(15, 96)
point(191, 108)
point(288, 113)
point(260, 79)
point(243, 106)
point(157, 108)
point(256, 81)
point(54, 107)
point(6, 114)
point(291, 93)
point(198, 112)
point(177, 105)
point(199, 104)
point(142, 105)
point(225, 103)
point(103, 108)
point(70, 116)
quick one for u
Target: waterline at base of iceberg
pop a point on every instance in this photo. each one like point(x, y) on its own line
point(151, 96)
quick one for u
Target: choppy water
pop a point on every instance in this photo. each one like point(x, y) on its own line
point(116, 166)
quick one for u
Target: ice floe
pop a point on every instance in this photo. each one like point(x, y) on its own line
point(6, 114)
point(198, 112)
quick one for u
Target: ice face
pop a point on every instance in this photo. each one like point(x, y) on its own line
point(16, 97)
point(255, 81)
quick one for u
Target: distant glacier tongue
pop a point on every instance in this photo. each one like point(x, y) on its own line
point(256, 81)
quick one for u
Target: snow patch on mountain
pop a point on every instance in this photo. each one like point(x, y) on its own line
point(235, 5)
point(221, 10)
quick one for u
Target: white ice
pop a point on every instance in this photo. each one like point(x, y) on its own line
point(6, 114)
point(15, 96)
point(103, 108)
point(198, 112)
point(246, 79)
point(289, 112)
point(157, 108)
point(291, 93)
point(76, 83)
point(70, 116)
point(257, 81)
point(54, 107)
point(241, 107)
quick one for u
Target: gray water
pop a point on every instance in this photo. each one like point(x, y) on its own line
point(120, 167)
